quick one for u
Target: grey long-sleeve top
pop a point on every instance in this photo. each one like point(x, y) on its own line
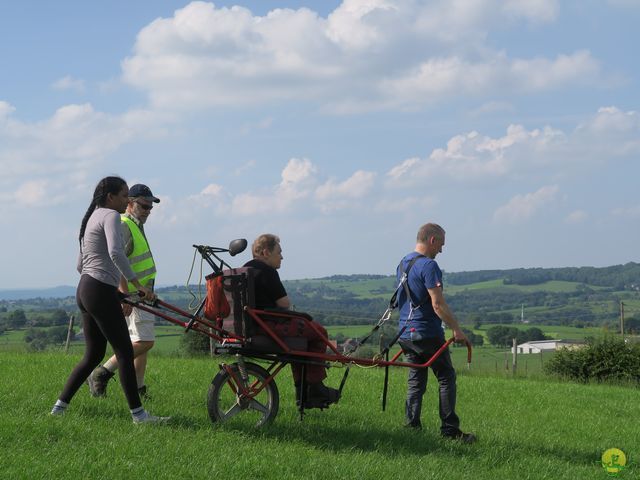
point(102, 250)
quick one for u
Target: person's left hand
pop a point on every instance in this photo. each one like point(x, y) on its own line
point(459, 336)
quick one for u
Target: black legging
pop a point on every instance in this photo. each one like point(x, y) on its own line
point(102, 321)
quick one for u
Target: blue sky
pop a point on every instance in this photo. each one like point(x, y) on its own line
point(340, 126)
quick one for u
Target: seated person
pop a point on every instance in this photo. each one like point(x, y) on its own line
point(270, 293)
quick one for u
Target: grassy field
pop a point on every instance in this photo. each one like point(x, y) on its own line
point(527, 429)
point(383, 287)
point(487, 360)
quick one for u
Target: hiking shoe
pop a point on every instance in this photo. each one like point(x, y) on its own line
point(321, 396)
point(98, 381)
point(462, 437)
point(148, 418)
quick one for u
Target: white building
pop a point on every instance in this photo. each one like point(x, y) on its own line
point(547, 346)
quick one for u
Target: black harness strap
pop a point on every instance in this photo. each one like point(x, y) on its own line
point(404, 281)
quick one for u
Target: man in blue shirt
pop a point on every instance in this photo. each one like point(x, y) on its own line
point(423, 309)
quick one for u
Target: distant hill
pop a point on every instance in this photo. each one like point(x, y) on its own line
point(620, 277)
point(574, 296)
point(55, 292)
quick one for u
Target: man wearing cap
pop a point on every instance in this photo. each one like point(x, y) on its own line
point(141, 323)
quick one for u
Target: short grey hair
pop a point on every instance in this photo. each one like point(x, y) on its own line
point(266, 241)
point(429, 230)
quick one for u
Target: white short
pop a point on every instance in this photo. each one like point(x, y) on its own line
point(141, 326)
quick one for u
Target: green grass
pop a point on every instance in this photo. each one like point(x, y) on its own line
point(527, 429)
point(562, 332)
point(383, 287)
point(553, 286)
point(486, 359)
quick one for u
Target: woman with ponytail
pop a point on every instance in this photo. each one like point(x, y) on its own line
point(101, 263)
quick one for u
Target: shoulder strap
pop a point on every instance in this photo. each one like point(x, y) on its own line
point(404, 279)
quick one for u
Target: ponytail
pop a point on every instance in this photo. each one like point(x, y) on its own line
point(83, 225)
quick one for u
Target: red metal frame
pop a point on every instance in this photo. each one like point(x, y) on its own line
point(204, 326)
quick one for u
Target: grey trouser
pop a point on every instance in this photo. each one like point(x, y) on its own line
point(419, 352)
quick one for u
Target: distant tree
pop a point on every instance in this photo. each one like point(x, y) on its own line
point(502, 336)
point(40, 339)
point(59, 317)
point(632, 325)
point(534, 334)
point(476, 340)
point(339, 337)
point(38, 321)
point(194, 343)
point(16, 319)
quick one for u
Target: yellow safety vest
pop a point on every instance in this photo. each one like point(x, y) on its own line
point(140, 258)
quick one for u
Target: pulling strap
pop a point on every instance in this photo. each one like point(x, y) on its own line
point(393, 304)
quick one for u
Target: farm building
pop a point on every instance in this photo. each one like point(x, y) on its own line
point(547, 345)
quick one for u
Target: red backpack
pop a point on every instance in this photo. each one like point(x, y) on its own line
point(216, 306)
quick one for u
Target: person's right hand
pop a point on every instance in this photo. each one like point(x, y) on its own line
point(459, 336)
point(146, 294)
point(126, 309)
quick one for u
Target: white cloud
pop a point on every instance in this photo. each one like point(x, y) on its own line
point(242, 169)
point(366, 54)
point(66, 147)
point(334, 195)
point(298, 181)
point(6, 109)
point(535, 10)
point(453, 76)
point(69, 83)
point(523, 207)
point(577, 216)
point(211, 193)
point(631, 211)
point(608, 135)
point(356, 186)
point(491, 107)
point(473, 157)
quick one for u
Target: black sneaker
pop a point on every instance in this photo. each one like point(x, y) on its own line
point(321, 396)
point(98, 381)
point(461, 437)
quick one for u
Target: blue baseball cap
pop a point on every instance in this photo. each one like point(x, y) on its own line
point(142, 191)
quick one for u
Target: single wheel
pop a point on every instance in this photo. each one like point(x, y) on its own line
point(259, 402)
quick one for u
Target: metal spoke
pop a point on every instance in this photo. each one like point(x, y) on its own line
point(233, 411)
point(255, 405)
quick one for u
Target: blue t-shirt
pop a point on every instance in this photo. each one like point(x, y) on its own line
point(425, 273)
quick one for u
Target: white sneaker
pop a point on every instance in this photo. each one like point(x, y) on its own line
point(58, 411)
point(148, 418)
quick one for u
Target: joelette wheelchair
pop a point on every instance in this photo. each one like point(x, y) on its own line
point(246, 334)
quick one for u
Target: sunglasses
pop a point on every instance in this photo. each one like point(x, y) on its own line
point(145, 207)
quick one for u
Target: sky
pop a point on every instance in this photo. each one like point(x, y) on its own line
point(341, 126)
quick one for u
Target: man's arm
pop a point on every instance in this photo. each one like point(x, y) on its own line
point(443, 311)
point(284, 302)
